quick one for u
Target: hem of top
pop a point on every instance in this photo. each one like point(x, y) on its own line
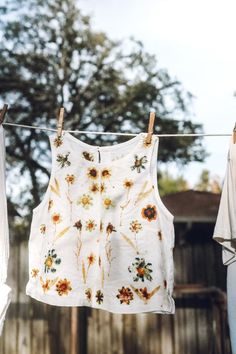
point(67, 302)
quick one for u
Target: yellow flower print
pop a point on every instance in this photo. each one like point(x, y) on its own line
point(106, 173)
point(42, 229)
point(128, 183)
point(90, 225)
point(92, 173)
point(70, 179)
point(34, 272)
point(135, 226)
point(107, 202)
point(85, 200)
point(56, 218)
point(94, 188)
point(63, 286)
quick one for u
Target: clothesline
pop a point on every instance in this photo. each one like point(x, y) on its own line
point(114, 133)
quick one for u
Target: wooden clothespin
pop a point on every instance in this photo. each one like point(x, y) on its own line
point(150, 127)
point(3, 112)
point(234, 134)
point(60, 122)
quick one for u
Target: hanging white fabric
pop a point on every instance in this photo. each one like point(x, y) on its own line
point(5, 290)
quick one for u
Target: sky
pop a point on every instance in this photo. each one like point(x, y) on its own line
point(195, 42)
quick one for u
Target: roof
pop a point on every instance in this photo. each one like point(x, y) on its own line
point(193, 206)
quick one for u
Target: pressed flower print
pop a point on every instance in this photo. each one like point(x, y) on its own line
point(47, 284)
point(94, 188)
point(128, 183)
point(51, 260)
point(86, 201)
point(43, 229)
point(70, 179)
point(34, 272)
point(141, 269)
point(149, 212)
point(88, 293)
point(106, 173)
point(103, 187)
point(90, 225)
point(135, 226)
point(125, 295)
point(110, 228)
point(88, 156)
point(56, 218)
point(78, 225)
point(107, 202)
point(99, 297)
point(63, 160)
point(57, 142)
point(63, 286)
point(92, 173)
point(144, 294)
point(139, 163)
point(50, 204)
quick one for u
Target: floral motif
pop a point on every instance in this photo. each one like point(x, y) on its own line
point(106, 173)
point(42, 229)
point(63, 160)
point(128, 183)
point(63, 286)
point(149, 212)
point(90, 225)
point(107, 202)
point(135, 226)
point(50, 204)
point(125, 295)
point(47, 284)
point(88, 156)
point(56, 218)
point(99, 297)
point(92, 173)
point(160, 235)
point(58, 142)
point(86, 201)
point(51, 260)
point(88, 293)
point(139, 163)
point(141, 269)
point(110, 228)
point(91, 259)
point(144, 294)
point(103, 187)
point(34, 272)
point(94, 188)
point(70, 179)
point(78, 225)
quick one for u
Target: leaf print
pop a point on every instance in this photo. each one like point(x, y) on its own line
point(144, 294)
point(62, 233)
point(99, 297)
point(141, 269)
point(63, 287)
point(88, 156)
point(47, 284)
point(139, 163)
point(143, 194)
point(83, 272)
point(63, 160)
point(149, 212)
point(51, 260)
point(86, 201)
point(130, 242)
point(125, 295)
point(56, 188)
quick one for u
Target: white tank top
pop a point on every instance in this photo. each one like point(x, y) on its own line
point(101, 236)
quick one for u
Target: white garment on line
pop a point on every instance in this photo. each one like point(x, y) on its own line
point(5, 290)
point(225, 234)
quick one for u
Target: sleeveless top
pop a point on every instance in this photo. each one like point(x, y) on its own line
point(101, 237)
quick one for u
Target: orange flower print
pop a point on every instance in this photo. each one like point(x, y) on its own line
point(125, 295)
point(91, 259)
point(128, 183)
point(149, 212)
point(135, 226)
point(92, 173)
point(88, 293)
point(70, 179)
point(42, 229)
point(56, 218)
point(34, 272)
point(107, 202)
point(47, 284)
point(106, 173)
point(50, 204)
point(86, 201)
point(63, 286)
point(94, 188)
point(90, 225)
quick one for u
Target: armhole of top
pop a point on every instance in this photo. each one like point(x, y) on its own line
point(46, 193)
point(153, 172)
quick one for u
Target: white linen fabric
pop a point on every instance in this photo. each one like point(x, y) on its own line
point(101, 236)
point(5, 290)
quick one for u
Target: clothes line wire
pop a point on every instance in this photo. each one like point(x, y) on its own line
point(112, 133)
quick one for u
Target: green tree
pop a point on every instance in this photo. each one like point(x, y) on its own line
point(168, 184)
point(50, 56)
point(207, 183)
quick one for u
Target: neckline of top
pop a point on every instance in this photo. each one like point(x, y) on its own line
point(139, 138)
